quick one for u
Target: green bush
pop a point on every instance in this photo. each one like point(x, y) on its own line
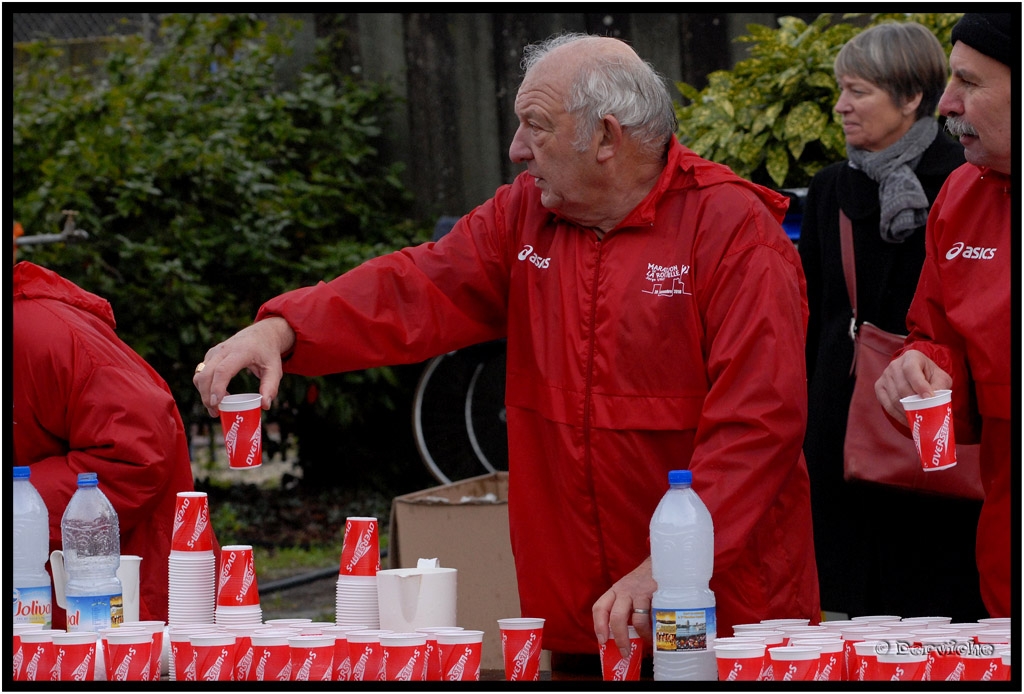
point(206, 189)
point(771, 117)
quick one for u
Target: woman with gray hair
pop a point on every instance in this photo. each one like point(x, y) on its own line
point(891, 78)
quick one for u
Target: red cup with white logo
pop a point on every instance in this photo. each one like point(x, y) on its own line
point(38, 658)
point(830, 663)
point(521, 639)
point(130, 654)
point(236, 582)
point(192, 531)
point(460, 653)
point(360, 552)
point(432, 657)
point(794, 663)
point(402, 655)
point(901, 666)
point(75, 655)
point(271, 655)
point(312, 657)
point(931, 423)
point(364, 654)
point(241, 419)
point(615, 668)
point(214, 656)
point(740, 661)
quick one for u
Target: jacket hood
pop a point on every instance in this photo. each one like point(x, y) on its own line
point(696, 173)
point(708, 173)
point(34, 282)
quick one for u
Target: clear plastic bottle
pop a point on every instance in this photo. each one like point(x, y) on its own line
point(683, 607)
point(92, 554)
point(31, 543)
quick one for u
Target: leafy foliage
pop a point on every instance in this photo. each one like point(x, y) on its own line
point(770, 118)
point(207, 188)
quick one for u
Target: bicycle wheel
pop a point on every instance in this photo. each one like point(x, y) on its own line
point(458, 413)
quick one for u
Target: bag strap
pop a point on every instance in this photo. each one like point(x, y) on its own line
point(850, 272)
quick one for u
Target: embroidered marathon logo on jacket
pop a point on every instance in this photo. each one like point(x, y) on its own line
point(666, 280)
point(973, 252)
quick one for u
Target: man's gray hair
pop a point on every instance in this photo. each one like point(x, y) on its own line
point(632, 91)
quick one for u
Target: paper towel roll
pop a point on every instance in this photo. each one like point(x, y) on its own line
point(409, 599)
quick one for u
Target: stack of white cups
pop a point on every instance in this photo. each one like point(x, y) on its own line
point(192, 566)
point(356, 595)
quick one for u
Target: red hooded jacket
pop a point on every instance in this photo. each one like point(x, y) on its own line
point(960, 318)
point(677, 341)
point(84, 401)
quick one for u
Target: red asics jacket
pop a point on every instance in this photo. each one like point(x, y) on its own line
point(676, 341)
point(960, 318)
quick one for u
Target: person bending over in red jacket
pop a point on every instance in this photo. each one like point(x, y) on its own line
point(84, 401)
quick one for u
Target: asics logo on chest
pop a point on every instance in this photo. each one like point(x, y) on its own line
point(528, 254)
point(962, 250)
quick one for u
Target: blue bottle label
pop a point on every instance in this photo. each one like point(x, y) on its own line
point(32, 605)
point(94, 612)
point(684, 629)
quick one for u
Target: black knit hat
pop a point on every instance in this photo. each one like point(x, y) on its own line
point(985, 32)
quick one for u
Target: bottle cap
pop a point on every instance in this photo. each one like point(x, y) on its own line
point(87, 479)
point(680, 477)
point(21, 472)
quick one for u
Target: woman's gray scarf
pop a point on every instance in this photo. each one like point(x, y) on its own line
point(900, 195)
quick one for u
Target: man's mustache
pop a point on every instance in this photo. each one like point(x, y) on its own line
point(958, 127)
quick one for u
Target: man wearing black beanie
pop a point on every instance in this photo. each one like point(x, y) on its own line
point(959, 321)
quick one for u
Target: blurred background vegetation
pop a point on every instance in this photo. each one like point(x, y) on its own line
point(210, 183)
point(770, 118)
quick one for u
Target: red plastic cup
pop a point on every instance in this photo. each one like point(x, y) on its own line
point(364, 653)
point(931, 423)
point(17, 651)
point(900, 667)
point(192, 530)
point(130, 653)
point(432, 657)
point(360, 551)
point(739, 661)
point(236, 583)
point(38, 657)
point(615, 668)
point(460, 653)
point(312, 657)
point(214, 656)
point(271, 654)
point(521, 639)
point(182, 656)
point(243, 665)
point(851, 636)
point(75, 655)
point(863, 659)
point(342, 665)
point(241, 419)
point(402, 656)
point(830, 663)
point(794, 663)
point(983, 664)
point(156, 629)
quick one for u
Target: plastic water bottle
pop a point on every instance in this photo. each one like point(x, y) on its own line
point(683, 607)
point(32, 594)
point(92, 553)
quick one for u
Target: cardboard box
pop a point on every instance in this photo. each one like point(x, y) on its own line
point(464, 530)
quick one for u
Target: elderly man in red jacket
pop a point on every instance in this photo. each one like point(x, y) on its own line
point(655, 316)
point(84, 401)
